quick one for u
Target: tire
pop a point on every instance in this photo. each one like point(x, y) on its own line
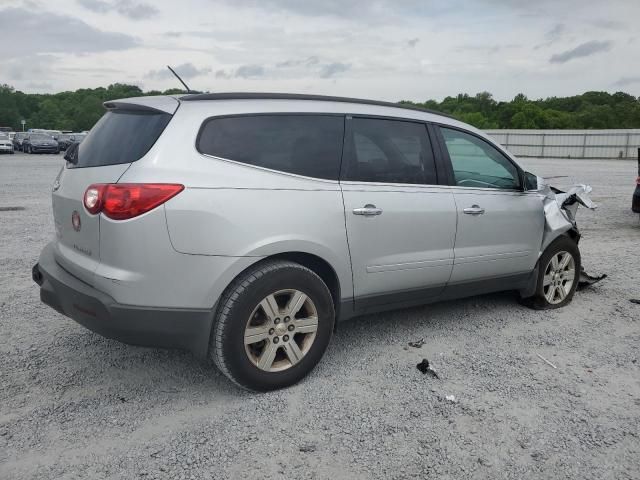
point(563, 292)
point(240, 309)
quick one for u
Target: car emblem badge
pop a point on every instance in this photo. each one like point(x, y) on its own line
point(75, 220)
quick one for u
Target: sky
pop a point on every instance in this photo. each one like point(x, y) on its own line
point(381, 49)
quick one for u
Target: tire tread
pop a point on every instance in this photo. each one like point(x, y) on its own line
point(231, 296)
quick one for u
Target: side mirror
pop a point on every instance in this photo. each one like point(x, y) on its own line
point(530, 181)
point(71, 155)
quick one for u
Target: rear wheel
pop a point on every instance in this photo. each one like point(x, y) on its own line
point(558, 275)
point(272, 326)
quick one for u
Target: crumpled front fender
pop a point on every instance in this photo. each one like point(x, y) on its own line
point(560, 209)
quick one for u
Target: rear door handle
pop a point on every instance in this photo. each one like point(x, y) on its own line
point(368, 210)
point(474, 210)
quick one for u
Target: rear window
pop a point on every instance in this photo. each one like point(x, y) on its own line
point(309, 145)
point(121, 136)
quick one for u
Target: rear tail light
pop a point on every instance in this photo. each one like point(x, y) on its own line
point(120, 201)
point(638, 181)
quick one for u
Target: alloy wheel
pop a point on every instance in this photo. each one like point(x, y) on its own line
point(281, 330)
point(559, 276)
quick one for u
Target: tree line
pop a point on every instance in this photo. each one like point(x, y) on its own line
point(79, 110)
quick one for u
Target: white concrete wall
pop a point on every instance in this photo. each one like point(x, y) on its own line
point(570, 143)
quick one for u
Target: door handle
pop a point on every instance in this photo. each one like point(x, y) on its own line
point(474, 210)
point(368, 210)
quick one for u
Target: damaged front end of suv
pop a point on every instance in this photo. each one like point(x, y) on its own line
point(560, 209)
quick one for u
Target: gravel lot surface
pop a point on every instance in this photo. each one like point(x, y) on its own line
point(76, 405)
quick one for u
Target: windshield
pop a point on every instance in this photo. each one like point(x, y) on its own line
point(121, 136)
point(40, 136)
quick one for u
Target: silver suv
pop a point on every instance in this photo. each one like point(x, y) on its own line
point(244, 226)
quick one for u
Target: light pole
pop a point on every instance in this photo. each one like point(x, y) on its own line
point(23, 122)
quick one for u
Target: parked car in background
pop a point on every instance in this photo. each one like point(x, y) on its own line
point(66, 139)
point(18, 139)
point(635, 204)
point(6, 145)
point(40, 143)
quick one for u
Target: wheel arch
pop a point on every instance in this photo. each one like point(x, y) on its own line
point(320, 267)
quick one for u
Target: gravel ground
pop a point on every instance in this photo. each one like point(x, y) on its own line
point(76, 405)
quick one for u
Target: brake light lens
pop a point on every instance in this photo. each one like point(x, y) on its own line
point(121, 201)
point(638, 180)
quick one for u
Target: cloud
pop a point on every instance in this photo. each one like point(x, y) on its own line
point(127, 8)
point(249, 71)
point(332, 69)
point(359, 10)
point(243, 71)
point(413, 42)
point(46, 32)
point(29, 67)
point(307, 62)
point(553, 35)
point(186, 70)
point(557, 30)
point(624, 81)
point(607, 24)
point(583, 50)
point(97, 6)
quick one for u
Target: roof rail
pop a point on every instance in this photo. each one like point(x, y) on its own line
point(300, 96)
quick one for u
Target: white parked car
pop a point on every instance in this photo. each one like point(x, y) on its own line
point(6, 143)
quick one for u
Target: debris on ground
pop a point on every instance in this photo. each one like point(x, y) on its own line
point(417, 344)
point(451, 398)
point(635, 300)
point(307, 448)
point(11, 209)
point(587, 280)
point(425, 368)
point(546, 361)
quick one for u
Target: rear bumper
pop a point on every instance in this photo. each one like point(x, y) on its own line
point(635, 204)
point(146, 326)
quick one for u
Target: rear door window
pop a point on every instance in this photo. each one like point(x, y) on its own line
point(121, 136)
point(309, 145)
point(389, 151)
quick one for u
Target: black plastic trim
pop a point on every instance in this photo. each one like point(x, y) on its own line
point(146, 326)
point(411, 298)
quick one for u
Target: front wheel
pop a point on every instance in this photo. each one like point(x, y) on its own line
point(273, 325)
point(558, 275)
